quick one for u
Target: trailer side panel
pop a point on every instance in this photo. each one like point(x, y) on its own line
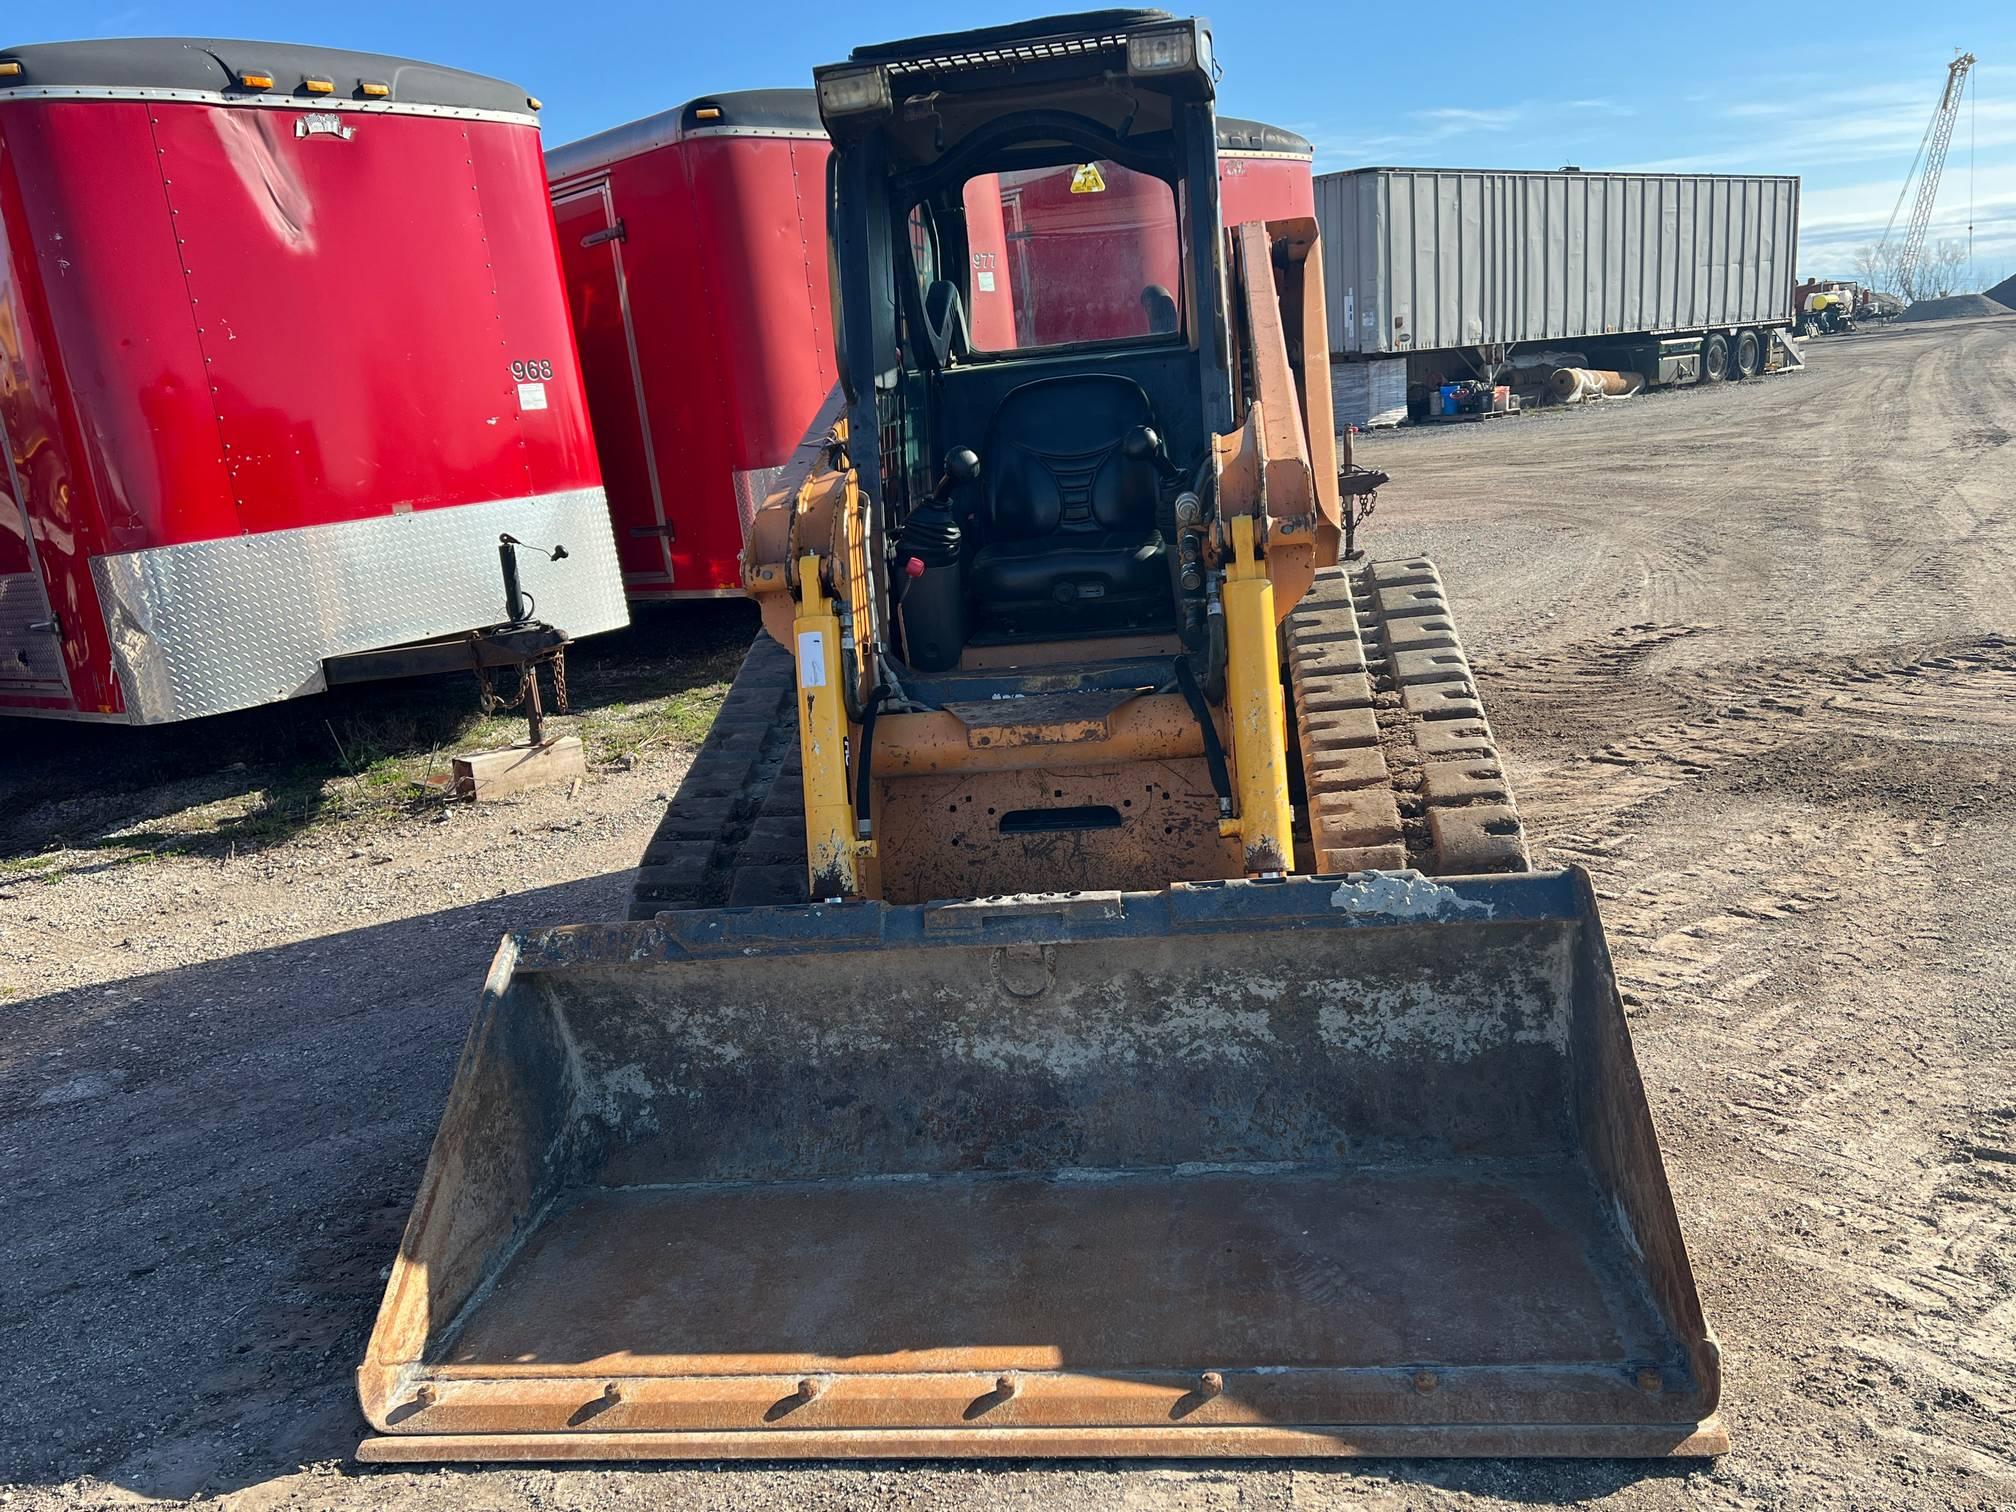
point(1431, 259)
point(284, 372)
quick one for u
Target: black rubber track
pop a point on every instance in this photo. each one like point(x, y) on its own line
point(1390, 777)
point(735, 830)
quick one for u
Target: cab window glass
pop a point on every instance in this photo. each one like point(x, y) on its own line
point(1080, 252)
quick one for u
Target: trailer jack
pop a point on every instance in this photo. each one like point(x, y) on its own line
point(519, 642)
point(1358, 494)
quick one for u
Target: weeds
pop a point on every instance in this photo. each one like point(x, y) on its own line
point(81, 798)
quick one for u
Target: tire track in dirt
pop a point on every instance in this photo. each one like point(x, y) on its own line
point(1771, 849)
point(1866, 1140)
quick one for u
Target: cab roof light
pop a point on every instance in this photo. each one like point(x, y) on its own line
point(854, 91)
point(533, 102)
point(373, 90)
point(707, 113)
point(319, 86)
point(1166, 50)
point(253, 78)
point(9, 69)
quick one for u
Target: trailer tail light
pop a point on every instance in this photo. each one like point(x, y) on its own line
point(319, 86)
point(251, 78)
point(372, 89)
point(9, 69)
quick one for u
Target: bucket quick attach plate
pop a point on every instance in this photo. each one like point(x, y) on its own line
point(1316, 1166)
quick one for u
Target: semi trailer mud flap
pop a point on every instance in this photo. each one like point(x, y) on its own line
point(1313, 1166)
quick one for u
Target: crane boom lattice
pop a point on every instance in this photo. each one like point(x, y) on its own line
point(1932, 150)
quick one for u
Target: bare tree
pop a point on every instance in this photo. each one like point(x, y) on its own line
point(1876, 268)
point(1942, 270)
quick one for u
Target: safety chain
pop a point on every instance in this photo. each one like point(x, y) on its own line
point(492, 702)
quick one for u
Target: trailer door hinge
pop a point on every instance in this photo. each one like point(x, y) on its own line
point(606, 234)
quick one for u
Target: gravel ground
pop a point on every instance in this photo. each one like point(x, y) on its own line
point(1752, 657)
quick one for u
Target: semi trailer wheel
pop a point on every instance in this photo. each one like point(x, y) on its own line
point(1715, 358)
point(1749, 354)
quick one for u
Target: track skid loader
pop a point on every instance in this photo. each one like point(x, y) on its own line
point(1090, 995)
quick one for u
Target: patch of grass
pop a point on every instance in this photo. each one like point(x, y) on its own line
point(92, 796)
point(623, 730)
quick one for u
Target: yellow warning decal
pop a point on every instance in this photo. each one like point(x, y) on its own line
point(1087, 179)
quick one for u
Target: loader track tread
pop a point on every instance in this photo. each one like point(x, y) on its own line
point(1397, 763)
point(734, 831)
point(1353, 819)
point(1457, 814)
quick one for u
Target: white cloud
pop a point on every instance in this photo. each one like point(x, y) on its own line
point(1458, 117)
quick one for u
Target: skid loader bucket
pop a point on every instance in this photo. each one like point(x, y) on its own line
point(1282, 1167)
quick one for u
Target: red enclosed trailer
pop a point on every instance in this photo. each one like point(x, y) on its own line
point(284, 351)
point(695, 248)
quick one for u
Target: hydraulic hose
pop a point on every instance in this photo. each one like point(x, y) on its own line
point(1214, 753)
point(864, 764)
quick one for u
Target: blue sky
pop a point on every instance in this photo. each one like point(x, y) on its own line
point(1839, 94)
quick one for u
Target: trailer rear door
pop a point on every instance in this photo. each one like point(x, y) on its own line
point(373, 304)
point(591, 252)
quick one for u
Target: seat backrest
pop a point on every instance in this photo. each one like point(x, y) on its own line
point(1053, 458)
point(945, 316)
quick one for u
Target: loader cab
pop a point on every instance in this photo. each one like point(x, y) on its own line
point(1029, 290)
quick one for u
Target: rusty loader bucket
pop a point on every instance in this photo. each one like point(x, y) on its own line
point(1297, 1167)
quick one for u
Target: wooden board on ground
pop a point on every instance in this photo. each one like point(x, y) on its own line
point(517, 768)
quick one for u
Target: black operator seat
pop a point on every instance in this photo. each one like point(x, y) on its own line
point(945, 321)
point(1070, 540)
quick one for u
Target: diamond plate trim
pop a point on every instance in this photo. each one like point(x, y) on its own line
point(209, 626)
point(752, 487)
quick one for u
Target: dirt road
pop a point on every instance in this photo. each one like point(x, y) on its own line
point(1752, 657)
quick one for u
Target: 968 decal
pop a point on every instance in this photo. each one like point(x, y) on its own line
point(532, 370)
